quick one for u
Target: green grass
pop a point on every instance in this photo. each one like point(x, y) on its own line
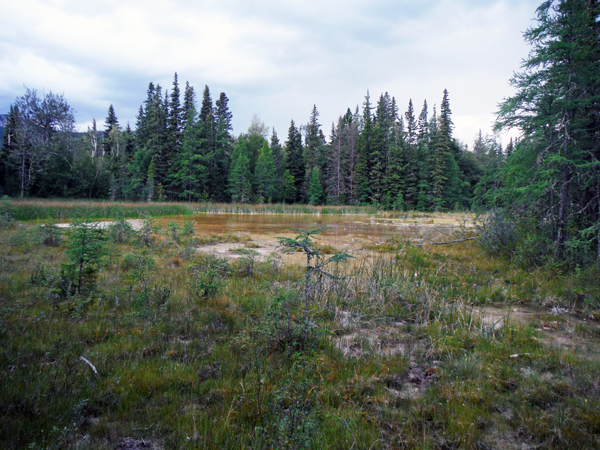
point(279, 208)
point(29, 210)
point(181, 368)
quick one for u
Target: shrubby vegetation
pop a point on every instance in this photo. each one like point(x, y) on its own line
point(193, 350)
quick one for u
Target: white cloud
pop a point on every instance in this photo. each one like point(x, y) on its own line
point(276, 59)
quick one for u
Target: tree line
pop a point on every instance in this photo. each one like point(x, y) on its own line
point(182, 151)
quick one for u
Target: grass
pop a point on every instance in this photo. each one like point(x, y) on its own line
point(36, 209)
point(279, 208)
point(398, 356)
point(29, 210)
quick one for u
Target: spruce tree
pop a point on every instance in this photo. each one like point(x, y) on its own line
point(554, 107)
point(363, 165)
point(174, 126)
point(294, 160)
point(265, 174)
point(277, 152)
point(240, 186)
point(411, 125)
point(315, 193)
point(223, 149)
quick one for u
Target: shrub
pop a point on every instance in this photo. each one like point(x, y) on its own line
point(209, 274)
point(498, 236)
point(120, 230)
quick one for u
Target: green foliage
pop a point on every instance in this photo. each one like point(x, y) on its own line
point(552, 175)
point(6, 213)
point(305, 242)
point(146, 233)
point(315, 193)
point(265, 174)
point(497, 235)
point(120, 231)
point(209, 274)
point(50, 234)
point(86, 250)
point(240, 185)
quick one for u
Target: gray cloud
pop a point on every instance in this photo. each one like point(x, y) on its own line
point(275, 59)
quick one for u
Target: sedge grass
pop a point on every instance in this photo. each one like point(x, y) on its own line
point(28, 210)
point(183, 370)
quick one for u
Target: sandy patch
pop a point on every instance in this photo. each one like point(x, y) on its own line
point(230, 250)
point(558, 333)
point(136, 224)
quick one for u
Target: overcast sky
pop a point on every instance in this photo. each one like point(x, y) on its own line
point(272, 58)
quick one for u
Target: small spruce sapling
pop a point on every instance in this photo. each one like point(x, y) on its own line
point(86, 249)
point(305, 242)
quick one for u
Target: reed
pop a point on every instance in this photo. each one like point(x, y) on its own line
point(279, 208)
point(29, 210)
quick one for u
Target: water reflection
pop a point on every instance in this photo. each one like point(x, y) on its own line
point(341, 229)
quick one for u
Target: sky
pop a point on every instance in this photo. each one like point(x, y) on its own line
point(273, 59)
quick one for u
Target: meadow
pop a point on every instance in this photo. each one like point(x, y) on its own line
point(128, 339)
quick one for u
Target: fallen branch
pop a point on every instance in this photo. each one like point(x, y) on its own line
point(90, 365)
point(442, 243)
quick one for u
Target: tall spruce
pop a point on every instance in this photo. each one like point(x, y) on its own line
point(223, 149)
point(294, 161)
point(556, 107)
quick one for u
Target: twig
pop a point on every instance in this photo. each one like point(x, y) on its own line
point(91, 366)
point(447, 242)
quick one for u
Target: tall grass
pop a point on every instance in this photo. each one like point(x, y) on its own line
point(39, 209)
point(27, 210)
point(279, 208)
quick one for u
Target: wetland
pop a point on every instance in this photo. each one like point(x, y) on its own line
point(194, 334)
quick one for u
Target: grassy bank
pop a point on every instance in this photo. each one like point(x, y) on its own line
point(28, 210)
point(39, 209)
point(185, 350)
point(241, 208)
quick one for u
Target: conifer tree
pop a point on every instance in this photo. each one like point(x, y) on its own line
point(174, 126)
point(240, 186)
point(314, 149)
point(411, 125)
point(189, 101)
point(189, 177)
point(315, 193)
point(109, 124)
point(207, 136)
point(294, 160)
point(150, 182)
point(337, 160)
point(363, 165)
point(557, 94)
point(265, 174)
point(380, 143)
point(422, 128)
point(289, 187)
point(223, 149)
point(278, 156)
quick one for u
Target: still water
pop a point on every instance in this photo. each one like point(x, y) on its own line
point(341, 229)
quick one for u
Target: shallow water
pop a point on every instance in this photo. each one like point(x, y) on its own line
point(341, 229)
